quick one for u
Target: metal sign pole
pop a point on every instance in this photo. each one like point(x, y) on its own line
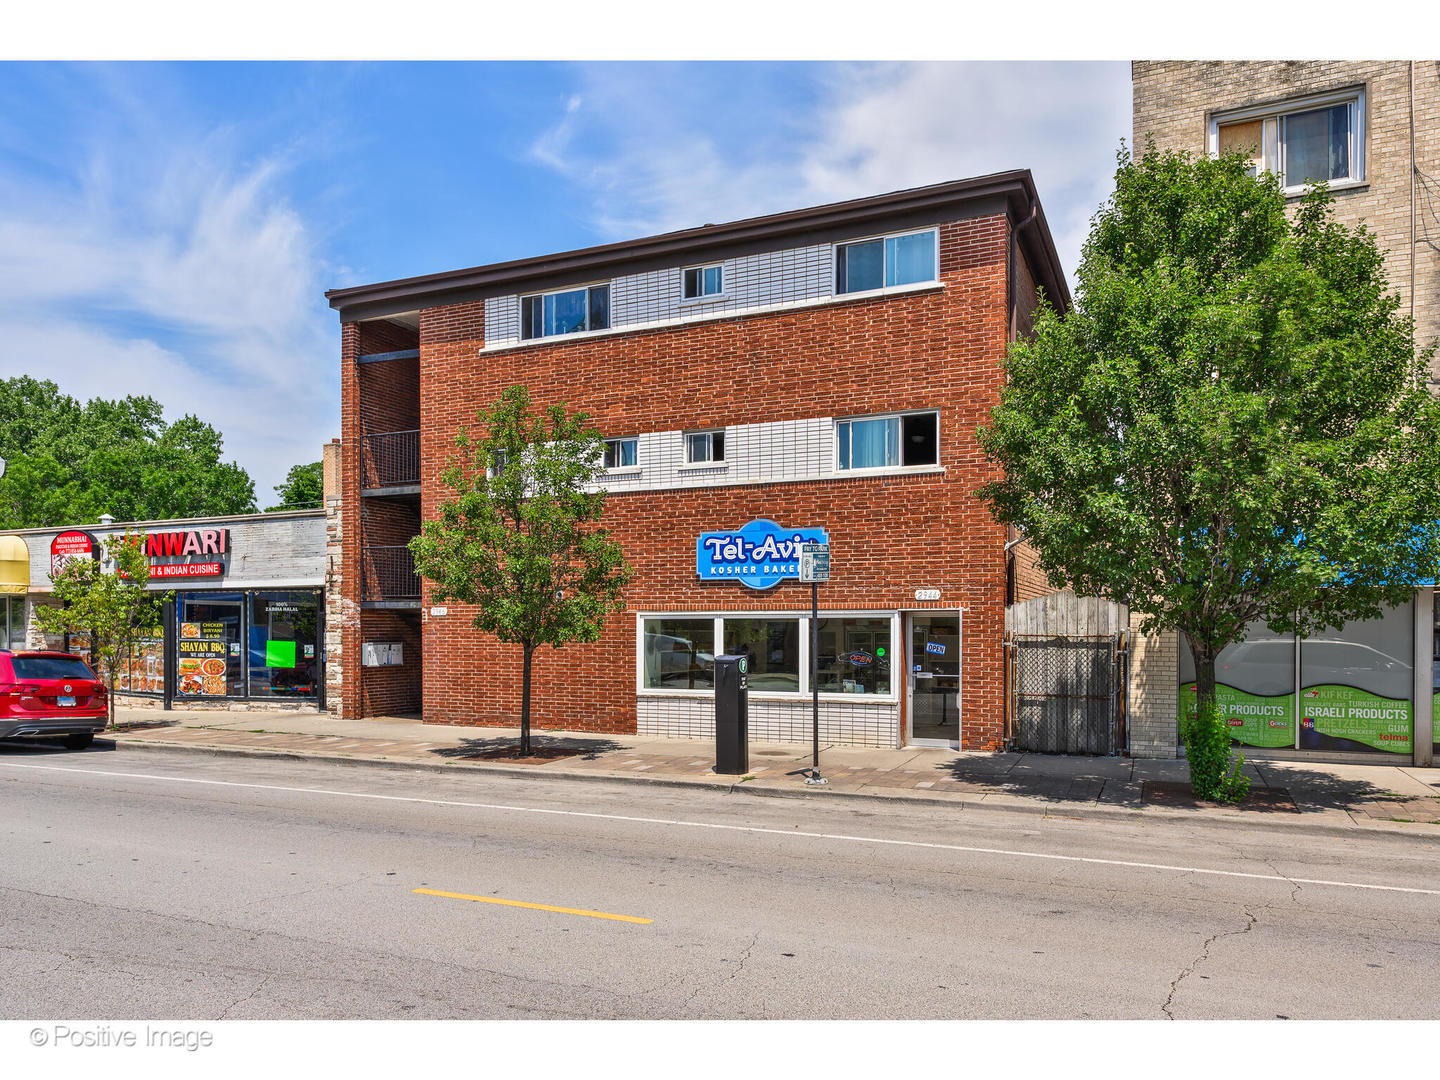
point(815, 568)
point(815, 777)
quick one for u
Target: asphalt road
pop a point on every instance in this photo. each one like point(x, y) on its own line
point(187, 886)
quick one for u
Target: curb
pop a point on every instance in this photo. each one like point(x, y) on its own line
point(762, 790)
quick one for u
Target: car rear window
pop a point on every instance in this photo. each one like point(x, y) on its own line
point(51, 667)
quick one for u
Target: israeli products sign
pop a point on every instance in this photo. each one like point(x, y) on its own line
point(759, 554)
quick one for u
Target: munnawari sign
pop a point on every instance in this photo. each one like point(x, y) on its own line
point(758, 554)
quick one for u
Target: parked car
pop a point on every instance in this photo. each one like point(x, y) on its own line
point(50, 693)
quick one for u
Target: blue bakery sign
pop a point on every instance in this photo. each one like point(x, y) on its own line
point(758, 554)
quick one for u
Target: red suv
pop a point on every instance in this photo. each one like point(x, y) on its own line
point(50, 693)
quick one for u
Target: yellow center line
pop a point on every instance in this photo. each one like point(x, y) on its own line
point(537, 907)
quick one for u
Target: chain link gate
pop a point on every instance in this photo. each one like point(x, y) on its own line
point(1067, 693)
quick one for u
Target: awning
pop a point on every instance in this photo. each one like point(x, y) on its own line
point(14, 565)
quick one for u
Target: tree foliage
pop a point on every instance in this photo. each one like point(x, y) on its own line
point(521, 538)
point(108, 604)
point(302, 489)
point(67, 462)
point(1231, 424)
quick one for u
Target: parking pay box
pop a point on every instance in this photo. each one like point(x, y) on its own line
point(732, 715)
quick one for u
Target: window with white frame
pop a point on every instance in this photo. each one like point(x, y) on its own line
point(856, 657)
point(698, 282)
point(622, 453)
point(704, 447)
point(569, 311)
point(886, 261)
point(1318, 139)
point(888, 442)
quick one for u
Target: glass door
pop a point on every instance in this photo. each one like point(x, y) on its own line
point(933, 683)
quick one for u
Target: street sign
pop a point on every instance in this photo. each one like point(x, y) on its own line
point(814, 562)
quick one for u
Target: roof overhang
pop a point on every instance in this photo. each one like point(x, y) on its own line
point(1011, 192)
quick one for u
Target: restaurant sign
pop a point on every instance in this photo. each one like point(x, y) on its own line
point(68, 545)
point(162, 545)
point(759, 554)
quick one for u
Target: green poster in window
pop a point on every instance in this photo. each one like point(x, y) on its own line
point(1336, 717)
point(279, 654)
point(1253, 720)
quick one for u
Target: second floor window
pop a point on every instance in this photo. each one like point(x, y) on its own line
point(704, 446)
point(884, 442)
point(567, 312)
point(702, 281)
point(885, 261)
point(1310, 141)
point(622, 453)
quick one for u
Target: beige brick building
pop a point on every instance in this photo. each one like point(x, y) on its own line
point(1371, 129)
point(1374, 123)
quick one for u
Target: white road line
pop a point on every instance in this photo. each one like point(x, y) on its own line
point(678, 823)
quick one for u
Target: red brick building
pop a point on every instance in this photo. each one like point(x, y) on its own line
point(817, 371)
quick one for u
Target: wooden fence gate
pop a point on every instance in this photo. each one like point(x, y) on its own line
point(1066, 671)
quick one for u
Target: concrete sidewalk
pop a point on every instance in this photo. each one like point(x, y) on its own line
point(1347, 797)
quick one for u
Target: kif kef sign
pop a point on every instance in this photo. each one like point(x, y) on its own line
point(758, 554)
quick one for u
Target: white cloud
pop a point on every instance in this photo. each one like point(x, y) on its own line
point(188, 278)
point(651, 166)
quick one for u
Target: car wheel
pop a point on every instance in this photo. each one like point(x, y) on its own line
point(78, 741)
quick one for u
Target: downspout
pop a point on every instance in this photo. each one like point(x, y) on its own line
point(1014, 252)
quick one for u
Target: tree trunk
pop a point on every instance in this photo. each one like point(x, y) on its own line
point(525, 702)
point(1204, 657)
point(110, 699)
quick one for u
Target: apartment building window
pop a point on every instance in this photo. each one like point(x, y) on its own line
point(704, 446)
point(622, 453)
point(567, 312)
point(887, 442)
point(699, 282)
point(1309, 140)
point(886, 261)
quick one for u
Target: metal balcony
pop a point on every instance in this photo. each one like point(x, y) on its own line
point(387, 577)
point(390, 463)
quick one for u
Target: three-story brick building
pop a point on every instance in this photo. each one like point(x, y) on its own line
point(816, 373)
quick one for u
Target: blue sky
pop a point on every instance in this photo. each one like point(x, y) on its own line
point(170, 229)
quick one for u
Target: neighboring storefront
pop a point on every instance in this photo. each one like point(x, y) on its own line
point(1367, 691)
point(245, 621)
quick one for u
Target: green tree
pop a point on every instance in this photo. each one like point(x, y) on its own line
point(521, 538)
point(1231, 424)
point(69, 462)
point(303, 488)
point(108, 605)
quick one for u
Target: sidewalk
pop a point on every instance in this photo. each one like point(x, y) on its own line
point(1345, 797)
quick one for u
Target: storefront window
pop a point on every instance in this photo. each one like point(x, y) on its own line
point(1355, 686)
point(679, 654)
point(854, 656)
point(144, 672)
point(284, 659)
point(1254, 687)
point(12, 622)
point(773, 649)
point(209, 663)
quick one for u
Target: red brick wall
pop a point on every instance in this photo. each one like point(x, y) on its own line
point(373, 397)
point(390, 691)
point(1029, 579)
point(891, 535)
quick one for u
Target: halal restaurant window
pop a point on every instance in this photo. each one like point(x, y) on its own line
point(284, 660)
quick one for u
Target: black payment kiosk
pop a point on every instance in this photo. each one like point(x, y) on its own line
point(732, 715)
